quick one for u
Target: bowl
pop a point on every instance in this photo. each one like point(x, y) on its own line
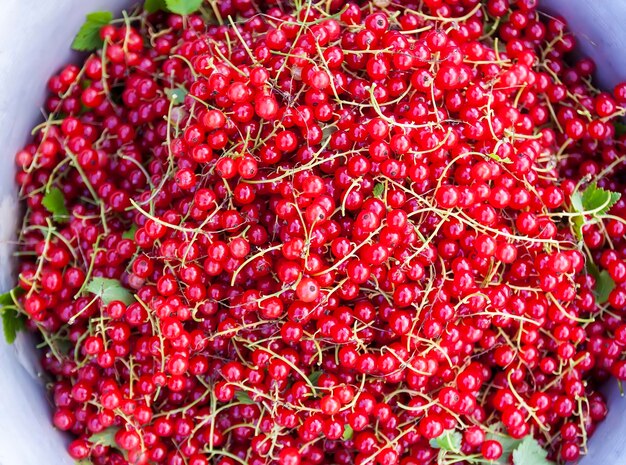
point(36, 37)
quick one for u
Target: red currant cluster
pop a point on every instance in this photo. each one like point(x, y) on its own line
point(320, 232)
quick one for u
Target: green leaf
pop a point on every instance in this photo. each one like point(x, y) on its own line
point(604, 282)
point(176, 95)
point(620, 129)
point(599, 200)
point(379, 190)
point(604, 286)
point(152, 6)
point(12, 323)
point(243, 397)
point(529, 452)
point(508, 443)
point(577, 202)
point(594, 200)
point(109, 290)
point(579, 222)
point(64, 346)
point(55, 204)
point(327, 132)
point(9, 298)
point(130, 234)
point(494, 156)
point(449, 440)
point(183, 7)
point(592, 269)
point(314, 377)
point(348, 432)
point(105, 437)
point(6, 299)
point(88, 37)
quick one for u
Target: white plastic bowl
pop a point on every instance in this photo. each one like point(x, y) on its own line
point(35, 38)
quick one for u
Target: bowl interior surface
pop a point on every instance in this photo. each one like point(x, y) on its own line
point(35, 38)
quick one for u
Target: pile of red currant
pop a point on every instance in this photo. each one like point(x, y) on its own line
point(316, 232)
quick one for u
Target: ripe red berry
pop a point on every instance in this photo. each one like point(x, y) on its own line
point(491, 449)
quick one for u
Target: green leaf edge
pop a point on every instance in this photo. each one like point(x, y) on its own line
point(244, 397)
point(99, 287)
point(54, 202)
point(88, 36)
point(12, 321)
point(183, 7)
point(152, 6)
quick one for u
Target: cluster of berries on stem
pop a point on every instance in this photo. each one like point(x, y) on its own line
point(302, 233)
